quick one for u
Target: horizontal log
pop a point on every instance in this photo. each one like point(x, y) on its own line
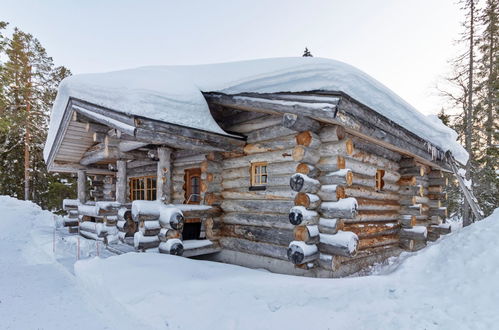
point(339, 177)
point(438, 181)
point(166, 234)
point(258, 234)
point(366, 192)
point(345, 208)
point(271, 193)
point(376, 204)
point(342, 147)
point(141, 242)
point(442, 229)
point(331, 164)
point(270, 206)
point(407, 181)
point(256, 219)
point(331, 193)
point(268, 133)
point(300, 123)
point(272, 181)
point(332, 133)
point(299, 215)
point(309, 201)
point(330, 226)
point(343, 243)
point(407, 221)
point(270, 157)
point(255, 124)
point(270, 145)
point(372, 230)
point(285, 168)
point(172, 246)
point(441, 212)
point(374, 242)
point(374, 216)
point(305, 155)
point(255, 248)
point(303, 183)
point(299, 252)
point(308, 139)
point(417, 233)
point(435, 174)
point(309, 170)
point(307, 234)
point(442, 196)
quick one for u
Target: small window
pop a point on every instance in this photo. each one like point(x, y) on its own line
point(143, 188)
point(259, 176)
point(379, 180)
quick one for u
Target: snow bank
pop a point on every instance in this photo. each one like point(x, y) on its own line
point(173, 93)
point(449, 285)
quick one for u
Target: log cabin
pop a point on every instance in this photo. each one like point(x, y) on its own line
point(301, 166)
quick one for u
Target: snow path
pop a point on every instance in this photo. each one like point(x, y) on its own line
point(36, 292)
point(450, 285)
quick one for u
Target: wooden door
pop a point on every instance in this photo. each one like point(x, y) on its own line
point(192, 184)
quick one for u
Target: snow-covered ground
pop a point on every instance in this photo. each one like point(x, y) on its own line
point(453, 284)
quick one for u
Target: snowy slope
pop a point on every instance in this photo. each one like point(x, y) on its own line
point(452, 284)
point(173, 93)
point(36, 291)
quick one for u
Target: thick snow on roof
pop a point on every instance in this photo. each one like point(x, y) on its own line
point(174, 93)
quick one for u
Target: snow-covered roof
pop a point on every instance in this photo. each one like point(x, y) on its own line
point(174, 93)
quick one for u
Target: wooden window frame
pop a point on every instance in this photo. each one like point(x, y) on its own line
point(256, 178)
point(189, 173)
point(149, 189)
point(379, 182)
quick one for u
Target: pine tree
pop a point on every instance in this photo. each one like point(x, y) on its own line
point(307, 53)
point(28, 82)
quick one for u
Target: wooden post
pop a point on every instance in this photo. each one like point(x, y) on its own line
point(82, 186)
point(164, 180)
point(121, 182)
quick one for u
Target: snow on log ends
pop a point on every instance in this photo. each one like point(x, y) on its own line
point(345, 239)
point(145, 208)
point(174, 93)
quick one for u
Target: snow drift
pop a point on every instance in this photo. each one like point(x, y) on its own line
point(174, 93)
point(450, 285)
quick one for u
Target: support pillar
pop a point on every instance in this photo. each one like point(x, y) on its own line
point(164, 175)
point(121, 182)
point(82, 186)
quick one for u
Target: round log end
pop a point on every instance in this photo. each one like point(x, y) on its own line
point(349, 146)
point(298, 153)
point(304, 138)
point(302, 199)
point(341, 162)
point(340, 192)
point(177, 221)
point(296, 182)
point(340, 132)
point(295, 217)
point(349, 178)
point(177, 249)
point(301, 233)
point(295, 255)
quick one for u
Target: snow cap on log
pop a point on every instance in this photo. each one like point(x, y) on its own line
point(345, 208)
point(299, 252)
point(302, 183)
point(172, 246)
point(300, 215)
point(343, 243)
point(171, 217)
point(149, 208)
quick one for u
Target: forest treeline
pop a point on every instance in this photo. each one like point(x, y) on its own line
point(29, 80)
point(28, 87)
point(473, 94)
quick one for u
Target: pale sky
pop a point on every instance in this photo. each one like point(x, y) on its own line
point(405, 44)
